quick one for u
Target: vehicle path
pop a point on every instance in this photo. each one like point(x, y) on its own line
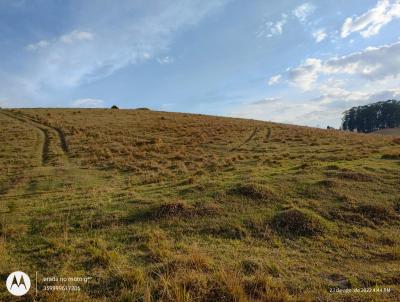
point(252, 136)
point(54, 150)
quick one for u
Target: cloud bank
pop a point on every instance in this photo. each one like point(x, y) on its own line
point(88, 103)
point(371, 22)
point(325, 88)
point(373, 63)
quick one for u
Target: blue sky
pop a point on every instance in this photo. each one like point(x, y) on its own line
point(298, 62)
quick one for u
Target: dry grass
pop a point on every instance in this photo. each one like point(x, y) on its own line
point(160, 206)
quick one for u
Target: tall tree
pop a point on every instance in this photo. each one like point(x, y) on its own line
point(372, 117)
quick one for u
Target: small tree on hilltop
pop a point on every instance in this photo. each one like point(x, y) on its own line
point(114, 107)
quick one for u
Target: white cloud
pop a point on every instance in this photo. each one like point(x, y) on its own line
point(302, 12)
point(306, 74)
point(332, 103)
point(274, 79)
point(88, 103)
point(146, 55)
point(373, 63)
point(165, 60)
point(16, 91)
point(354, 97)
point(371, 22)
point(70, 38)
point(266, 101)
point(270, 29)
point(75, 36)
point(321, 111)
point(319, 35)
point(39, 45)
point(277, 110)
point(119, 40)
point(332, 86)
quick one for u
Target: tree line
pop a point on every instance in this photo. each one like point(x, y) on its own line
point(372, 117)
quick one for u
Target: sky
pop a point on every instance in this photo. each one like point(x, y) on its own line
point(296, 62)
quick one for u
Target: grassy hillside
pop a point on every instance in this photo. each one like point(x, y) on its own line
point(158, 206)
point(389, 131)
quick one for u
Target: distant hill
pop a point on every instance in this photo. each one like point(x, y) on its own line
point(389, 131)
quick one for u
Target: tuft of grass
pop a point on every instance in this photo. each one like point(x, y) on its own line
point(11, 206)
point(351, 175)
point(394, 156)
point(392, 254)
point(249, 266)
point(378, 213)
point(265, 288)
point(397, 206)
point(230, 284)
point(299, 222)
point(172, 209)
point(353, 282)
point(227, 231)
point(253, 191)
point(177, 209)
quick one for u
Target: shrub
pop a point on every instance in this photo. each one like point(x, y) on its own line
point(114, 107)
point(299, 222)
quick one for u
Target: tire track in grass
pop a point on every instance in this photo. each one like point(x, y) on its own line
point(268, 135)
point(19, 178)
point(252, 135)
point(43, 137)
point(49, 153)
point(60, 134)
